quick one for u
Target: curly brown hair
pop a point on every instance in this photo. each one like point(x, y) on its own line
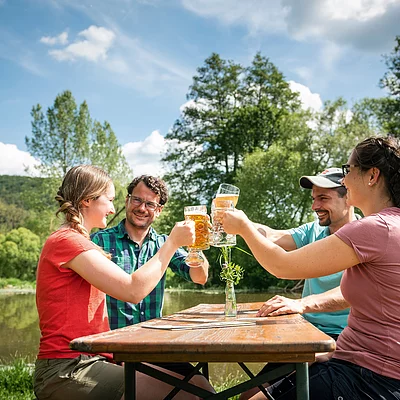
point(156, 185)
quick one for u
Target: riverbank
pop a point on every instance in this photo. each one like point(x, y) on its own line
point(12, 285)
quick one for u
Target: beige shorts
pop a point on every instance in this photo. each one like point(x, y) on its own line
point(83, 377)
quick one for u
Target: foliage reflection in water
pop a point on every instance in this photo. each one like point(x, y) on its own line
point(19, 329)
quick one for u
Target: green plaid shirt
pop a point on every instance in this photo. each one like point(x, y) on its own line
point(129, 256)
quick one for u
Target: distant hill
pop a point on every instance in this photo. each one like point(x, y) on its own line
point(21, 190)
point(27, 202)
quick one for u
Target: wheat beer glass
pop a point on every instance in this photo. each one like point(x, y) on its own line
point(198, 214)
point(219, 238)
point(227, 192)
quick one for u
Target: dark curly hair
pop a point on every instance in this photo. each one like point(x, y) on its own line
point(382, 153)
point(156, 185)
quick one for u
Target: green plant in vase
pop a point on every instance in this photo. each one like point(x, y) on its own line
point(231, 273)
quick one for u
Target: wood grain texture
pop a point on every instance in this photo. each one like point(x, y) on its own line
point(288, 338)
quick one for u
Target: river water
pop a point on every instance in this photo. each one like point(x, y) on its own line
point(19, 330)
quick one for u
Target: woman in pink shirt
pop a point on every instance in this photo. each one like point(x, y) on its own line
point(366, 363)
point(73, 276)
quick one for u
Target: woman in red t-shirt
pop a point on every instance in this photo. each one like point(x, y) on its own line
point(73, 276)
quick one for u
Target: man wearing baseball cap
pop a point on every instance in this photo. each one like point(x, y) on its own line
point(320, 295)
point(322, 302)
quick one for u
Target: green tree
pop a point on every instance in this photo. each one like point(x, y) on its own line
point(19, 254)
point(391, 79)
point(106, 152)
point(11, 216)
point(232, 111)
point(60, 140)
point(67, 136)
point(387, 110)
point(269, 179)
point(28, 202)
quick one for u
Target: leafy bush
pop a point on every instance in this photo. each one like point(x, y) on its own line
point(19, 254)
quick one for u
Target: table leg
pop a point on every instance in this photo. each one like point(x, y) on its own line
point(130, 381)
point(204, 370)
point(302, 383)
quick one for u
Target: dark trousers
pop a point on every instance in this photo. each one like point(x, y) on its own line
point(340, 380)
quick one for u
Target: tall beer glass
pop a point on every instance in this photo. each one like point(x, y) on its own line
point(219, 238)
point(198, 214)
point(227, 192)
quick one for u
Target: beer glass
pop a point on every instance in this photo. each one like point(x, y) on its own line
point(227, 192)
point(198, 214)
point(219, 238)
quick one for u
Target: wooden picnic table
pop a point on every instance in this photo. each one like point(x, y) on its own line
point(202, 334)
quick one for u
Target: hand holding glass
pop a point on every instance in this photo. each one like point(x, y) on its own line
point(198, 214)
point(219, 238)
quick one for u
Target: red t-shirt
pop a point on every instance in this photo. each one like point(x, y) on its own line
point(68, 306)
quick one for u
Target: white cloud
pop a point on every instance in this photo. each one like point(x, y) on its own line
point(132, 63)
point(97, 42)
point(145, 157)
point(14, 161)
point(257, 15)
point(62, 39)
point(200, 104)
point(308, 99)
point(362, 24)
point(358, 10)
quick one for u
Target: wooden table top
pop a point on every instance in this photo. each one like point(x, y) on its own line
point(287, 338)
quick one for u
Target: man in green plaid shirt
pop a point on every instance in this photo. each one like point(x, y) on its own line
point(133, 242)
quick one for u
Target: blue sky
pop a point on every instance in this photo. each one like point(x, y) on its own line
point(133, 60)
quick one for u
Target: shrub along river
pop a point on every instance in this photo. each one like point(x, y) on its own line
point(19, 330)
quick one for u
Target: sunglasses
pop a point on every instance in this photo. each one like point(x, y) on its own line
point(346, 168)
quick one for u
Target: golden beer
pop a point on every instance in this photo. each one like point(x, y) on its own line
point(199, 216)
point(219, 238)
point(220, 197)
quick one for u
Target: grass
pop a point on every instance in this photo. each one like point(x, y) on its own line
point(16, 382)
point(229, 381)
point(14, 283)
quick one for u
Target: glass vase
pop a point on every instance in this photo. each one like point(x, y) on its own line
point(230, 300)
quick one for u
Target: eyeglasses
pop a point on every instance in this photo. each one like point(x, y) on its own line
point(346, 168)
point(137, 202)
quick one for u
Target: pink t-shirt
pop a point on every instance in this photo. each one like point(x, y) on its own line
point(68, 306)
point(372, 337)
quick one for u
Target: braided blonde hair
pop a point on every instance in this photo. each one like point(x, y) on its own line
point(82, 182)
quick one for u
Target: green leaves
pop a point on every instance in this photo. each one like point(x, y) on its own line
point(233, 110)
point(19, 253)
point(230, 271)
point(67, 136)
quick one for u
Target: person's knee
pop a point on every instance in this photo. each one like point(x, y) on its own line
point(201, 381)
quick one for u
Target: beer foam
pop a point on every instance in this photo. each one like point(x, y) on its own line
point(202, 213)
